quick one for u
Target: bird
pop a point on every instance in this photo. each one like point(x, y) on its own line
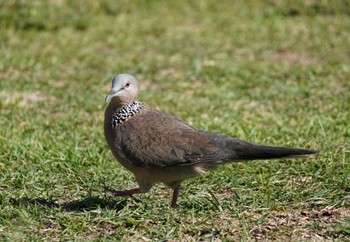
point(159, 148)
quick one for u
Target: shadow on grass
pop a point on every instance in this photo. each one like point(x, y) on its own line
point(85, 204)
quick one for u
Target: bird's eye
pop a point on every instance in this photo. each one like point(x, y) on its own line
point(127, 84)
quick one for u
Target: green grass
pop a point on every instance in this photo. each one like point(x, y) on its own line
point(273, 72)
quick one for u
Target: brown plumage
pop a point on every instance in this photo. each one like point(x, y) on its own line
point(157, 147)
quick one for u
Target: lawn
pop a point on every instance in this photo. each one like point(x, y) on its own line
point(272, 72)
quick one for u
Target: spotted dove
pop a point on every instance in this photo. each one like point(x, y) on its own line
point(158, 148)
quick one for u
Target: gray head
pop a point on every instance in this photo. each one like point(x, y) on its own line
point(124, 89)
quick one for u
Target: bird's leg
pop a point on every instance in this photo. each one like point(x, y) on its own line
point(121, 193)
point(175, 195)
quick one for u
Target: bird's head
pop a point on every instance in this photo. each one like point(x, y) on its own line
point(124, 89)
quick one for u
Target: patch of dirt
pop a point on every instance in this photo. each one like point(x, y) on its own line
point(25, 99)
point(286, 56)
point(11, 74)
point(228, 192)
point(307, 225)
point(105, 227)
point(171, 72)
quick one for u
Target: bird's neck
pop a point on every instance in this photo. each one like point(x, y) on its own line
point(114, 105)
point(120, 113)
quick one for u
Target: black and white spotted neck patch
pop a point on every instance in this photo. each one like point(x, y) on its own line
point(126, 112)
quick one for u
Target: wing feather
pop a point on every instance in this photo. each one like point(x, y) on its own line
point(155, 139)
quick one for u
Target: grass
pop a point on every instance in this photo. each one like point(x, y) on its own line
point(273, 72)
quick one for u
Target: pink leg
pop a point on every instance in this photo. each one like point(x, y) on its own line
point(175, 196)
point(124, 192)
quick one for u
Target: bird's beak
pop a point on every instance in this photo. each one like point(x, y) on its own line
point(113, 93)
point(110, 95)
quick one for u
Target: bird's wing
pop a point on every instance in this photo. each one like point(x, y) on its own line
point(155, 139)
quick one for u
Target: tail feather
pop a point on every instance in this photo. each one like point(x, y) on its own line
point(261, 152)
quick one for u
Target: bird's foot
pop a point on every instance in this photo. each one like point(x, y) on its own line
point(175, 206)
point(175, 196)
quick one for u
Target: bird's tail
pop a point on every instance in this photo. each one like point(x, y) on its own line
point(261, 152)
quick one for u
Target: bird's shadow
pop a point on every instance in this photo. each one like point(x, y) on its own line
point(85, 204)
